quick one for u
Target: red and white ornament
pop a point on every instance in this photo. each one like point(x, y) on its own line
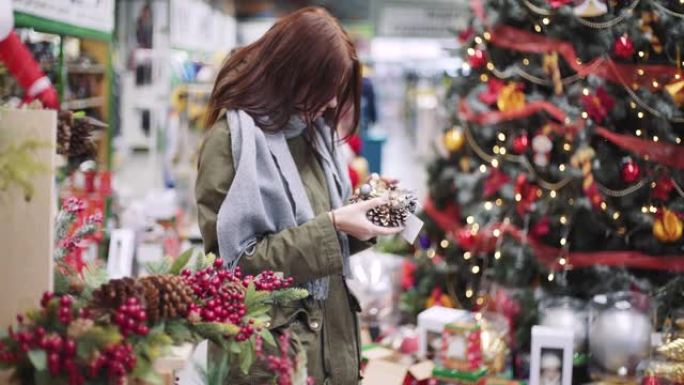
point(542, 146)
point(520, 143)
point(623, 47)
point(630, 171)
point(477, 59)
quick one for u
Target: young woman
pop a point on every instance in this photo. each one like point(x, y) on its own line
point(272, 191)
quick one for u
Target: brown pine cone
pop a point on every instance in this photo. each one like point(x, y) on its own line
point(114, 293)
point(64, 123)
point(167, 296)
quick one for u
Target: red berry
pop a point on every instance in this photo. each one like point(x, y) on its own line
point(70, 348)
point(45, 299)
point(142, 330)
point(65, 301)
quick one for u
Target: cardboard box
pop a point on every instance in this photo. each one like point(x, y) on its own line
point(383, 366)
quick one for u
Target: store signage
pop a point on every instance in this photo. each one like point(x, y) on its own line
point(431, 19)
point(92, 14)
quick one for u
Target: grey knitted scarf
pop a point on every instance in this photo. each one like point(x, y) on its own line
point(267, 194)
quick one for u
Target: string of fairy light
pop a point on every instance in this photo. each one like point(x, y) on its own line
point(500, 152)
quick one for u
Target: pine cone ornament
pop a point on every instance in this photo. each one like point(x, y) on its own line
point(673, 350)
point(166, 296)
point(114, 293)
point(65, 119)
point(401, 203)
point(81, 143)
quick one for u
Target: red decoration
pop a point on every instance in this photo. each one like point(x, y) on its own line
point(526, 192)
point(650, 379)
point(558, 3)
point(598, 105)
point(541, 228)
point(494, 182)
point(525, 41)
point(548, 255)
point(408, 276)
point(630, 172)
point(478, 59)
point(494, 87)
point(466, 34)
point(663, 188)
point(623, 47)
point(466, 239)
point(667, 154)
point(520, 143)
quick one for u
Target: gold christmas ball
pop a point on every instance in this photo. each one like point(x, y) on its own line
point(668, 228)
point(454, 139)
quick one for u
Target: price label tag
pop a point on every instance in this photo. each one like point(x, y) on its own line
point(412, 228)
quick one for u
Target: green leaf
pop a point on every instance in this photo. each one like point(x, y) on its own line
point(248, 356)
point(285, 296)
point(61, 282)
point(161, 267)
point(95, 339)
point(235, 347)
point(267, 336)
point(203, 261)
point(182, 261)
point(144, 371)
point(38, 359)
point(179, 331)
point(258, 310)
point(93, 277)
point(250, 293)
point(43, 377)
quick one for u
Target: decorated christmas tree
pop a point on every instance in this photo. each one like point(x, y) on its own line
point(562, 170)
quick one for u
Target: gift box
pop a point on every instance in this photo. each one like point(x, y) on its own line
point(388, 367)
point(461, 345)
point(460, 377)
point(431, 323)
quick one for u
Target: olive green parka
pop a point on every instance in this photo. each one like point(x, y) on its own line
point(328, 330)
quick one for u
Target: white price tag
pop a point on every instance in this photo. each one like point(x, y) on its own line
point(412, 227)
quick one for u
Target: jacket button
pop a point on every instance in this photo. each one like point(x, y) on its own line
point(314, 325)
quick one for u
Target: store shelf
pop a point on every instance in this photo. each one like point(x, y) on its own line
point(94, 69)
point(80, 104)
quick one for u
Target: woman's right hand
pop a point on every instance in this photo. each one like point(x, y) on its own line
point(351, 219)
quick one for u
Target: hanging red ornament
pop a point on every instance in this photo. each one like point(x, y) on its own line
point(494, 87)
point(541, 228)
point(526, 194)
point(623, 47)
point(663, 187)
point(598, 105)
point(495, 180)
point(630, 171)
point(466, 239)
point(520, 143)
point(478, 59)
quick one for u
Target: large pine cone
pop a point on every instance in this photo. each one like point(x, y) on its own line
point(166, 296)
point(114, 293)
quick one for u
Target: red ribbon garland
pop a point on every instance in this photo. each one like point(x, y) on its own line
point(660, 152)
point(448, 221)
point(664, 153)
point(524, 41)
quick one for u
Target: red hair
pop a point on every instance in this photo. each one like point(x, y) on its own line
point(304, 61)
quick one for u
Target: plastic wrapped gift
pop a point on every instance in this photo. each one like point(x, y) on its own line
point(462, 345)
point(431, 323)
